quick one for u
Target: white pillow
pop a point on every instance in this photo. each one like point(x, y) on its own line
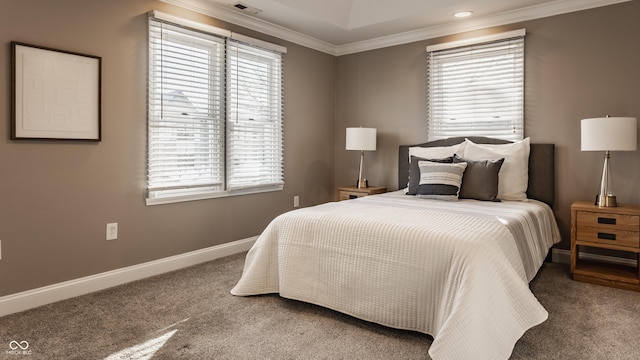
point(513, 178)
point(438, 152)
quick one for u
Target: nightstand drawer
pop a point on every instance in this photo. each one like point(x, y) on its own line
point(608, 236)
point(346, 195)
point(608, 221)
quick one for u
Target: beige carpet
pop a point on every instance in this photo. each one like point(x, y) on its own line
point(189, 314)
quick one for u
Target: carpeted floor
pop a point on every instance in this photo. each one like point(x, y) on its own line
point(190, 314)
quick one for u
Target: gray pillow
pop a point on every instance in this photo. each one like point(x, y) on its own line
point(414, 172)
point(480, 181)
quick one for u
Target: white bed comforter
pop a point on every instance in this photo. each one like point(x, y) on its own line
point(458, 271)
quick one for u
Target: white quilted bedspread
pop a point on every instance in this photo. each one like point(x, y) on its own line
point(458, 271)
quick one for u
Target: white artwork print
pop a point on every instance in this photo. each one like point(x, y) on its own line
point(57, 95)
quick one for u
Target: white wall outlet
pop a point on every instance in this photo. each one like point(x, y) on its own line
point(112, 231)
point(296, 201)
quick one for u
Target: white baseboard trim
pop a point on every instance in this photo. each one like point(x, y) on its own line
point(563, 256)
point(65, 290)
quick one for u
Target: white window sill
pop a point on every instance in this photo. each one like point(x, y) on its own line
point(203, 195)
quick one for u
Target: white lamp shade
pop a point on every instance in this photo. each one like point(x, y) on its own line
point(361, 139)
point(609, 133)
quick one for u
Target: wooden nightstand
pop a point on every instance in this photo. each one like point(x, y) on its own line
point(352, 192)
point(614, 228)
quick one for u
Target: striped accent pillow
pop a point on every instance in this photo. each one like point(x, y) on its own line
point(440, 181)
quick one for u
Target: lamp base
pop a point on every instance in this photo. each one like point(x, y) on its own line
point(606, 200)
point(362, 184)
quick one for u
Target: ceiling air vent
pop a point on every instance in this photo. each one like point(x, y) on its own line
point(246, 8)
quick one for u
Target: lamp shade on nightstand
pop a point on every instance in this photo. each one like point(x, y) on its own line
point(609, 133)
point(363, 139)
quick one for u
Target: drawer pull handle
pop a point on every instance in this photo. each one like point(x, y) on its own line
point(608, 221)
point(606, 236)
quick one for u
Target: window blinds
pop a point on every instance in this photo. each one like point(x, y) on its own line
point(477, 90)
point(215, 114)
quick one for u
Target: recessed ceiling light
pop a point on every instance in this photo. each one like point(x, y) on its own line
point(463, 14)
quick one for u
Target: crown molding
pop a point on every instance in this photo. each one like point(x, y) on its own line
point(509, 17)
point(557, 7)
point(229, 15)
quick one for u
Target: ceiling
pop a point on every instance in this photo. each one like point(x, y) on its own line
point(347, 26)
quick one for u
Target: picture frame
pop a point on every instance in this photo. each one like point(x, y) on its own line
point(56, 94)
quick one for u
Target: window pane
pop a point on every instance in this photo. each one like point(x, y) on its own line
point(254, 121)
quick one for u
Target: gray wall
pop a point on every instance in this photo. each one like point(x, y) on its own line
point(57, 197)
point(579, 65)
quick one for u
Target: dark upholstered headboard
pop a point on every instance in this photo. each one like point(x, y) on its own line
point(541, 165)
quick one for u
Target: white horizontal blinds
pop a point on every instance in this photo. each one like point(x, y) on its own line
point(186, 109)
point(254, 116)
point(477, 90)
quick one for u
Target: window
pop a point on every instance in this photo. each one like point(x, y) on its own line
point(477, 89)
point(254, 126)
point(215, 113)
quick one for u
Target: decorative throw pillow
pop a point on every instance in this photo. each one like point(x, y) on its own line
point(480, 181)
point(414, 172)
point(440, 181)
point(514, 174)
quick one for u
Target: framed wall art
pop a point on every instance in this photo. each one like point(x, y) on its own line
point(56, 94)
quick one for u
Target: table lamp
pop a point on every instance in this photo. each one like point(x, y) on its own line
point(362, 139)
point(608, 134)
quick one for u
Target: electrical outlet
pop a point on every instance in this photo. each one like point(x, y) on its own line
point(296, 201)
point(112, 231)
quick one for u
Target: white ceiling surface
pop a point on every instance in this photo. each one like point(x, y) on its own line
point(346, 26)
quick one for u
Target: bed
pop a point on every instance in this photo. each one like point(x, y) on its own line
point(456, 270)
